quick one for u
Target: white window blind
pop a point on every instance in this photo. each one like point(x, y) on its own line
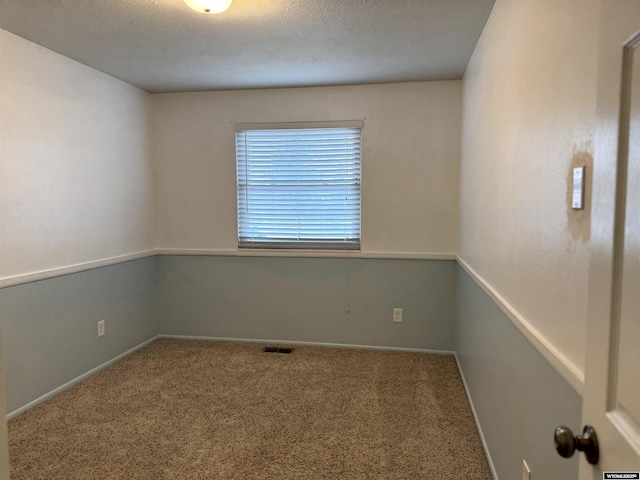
point(299, 187)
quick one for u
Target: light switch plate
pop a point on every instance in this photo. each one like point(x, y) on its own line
point(577, 197)
point(397, 315)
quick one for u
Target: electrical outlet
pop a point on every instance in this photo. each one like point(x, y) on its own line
point(101, 328)
point(526, 473)
point(397, 315)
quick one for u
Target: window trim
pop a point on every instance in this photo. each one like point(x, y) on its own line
point(238, 127)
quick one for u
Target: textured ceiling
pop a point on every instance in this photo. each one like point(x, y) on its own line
point(164, 46)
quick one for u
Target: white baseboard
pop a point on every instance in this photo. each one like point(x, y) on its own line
point(310, 344)
point(95, 370)
point(475, 417)
point(76, 380)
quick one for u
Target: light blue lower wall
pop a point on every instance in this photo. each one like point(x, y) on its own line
point(49, 327)
point(305, 299)
point(50, 334)
point(518, 397)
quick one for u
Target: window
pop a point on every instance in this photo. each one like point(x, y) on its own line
point(299, 185)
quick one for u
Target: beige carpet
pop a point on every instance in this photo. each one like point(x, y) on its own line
point(206, 410)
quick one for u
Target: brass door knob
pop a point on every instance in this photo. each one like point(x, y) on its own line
point(567, 443)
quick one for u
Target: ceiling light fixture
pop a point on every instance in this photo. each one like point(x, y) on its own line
point(209, 6)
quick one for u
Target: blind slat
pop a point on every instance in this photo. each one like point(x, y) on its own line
point(299, 188)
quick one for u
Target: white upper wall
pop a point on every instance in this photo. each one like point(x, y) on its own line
point(76, 174)
point(410, 160)
point(529, 115)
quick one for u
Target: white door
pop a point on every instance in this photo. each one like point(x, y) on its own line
point(612, 377)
